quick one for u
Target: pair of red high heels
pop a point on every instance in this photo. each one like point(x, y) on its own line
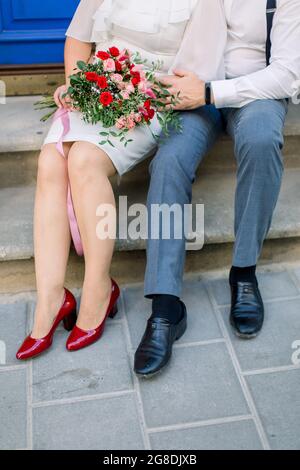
point(78, 338)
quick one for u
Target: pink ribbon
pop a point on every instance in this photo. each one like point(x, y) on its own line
point(63, 114)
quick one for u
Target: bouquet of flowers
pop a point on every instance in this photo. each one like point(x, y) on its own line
point(119, 91)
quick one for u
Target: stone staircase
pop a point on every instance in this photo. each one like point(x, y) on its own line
point(21, 135)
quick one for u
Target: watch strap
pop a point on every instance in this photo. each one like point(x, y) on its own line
point(208, 93)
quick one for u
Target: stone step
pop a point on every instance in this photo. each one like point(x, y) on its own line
point(128, 267)
point(27, 83)
point(21, 140)
point(214, 190)
point(26, 132)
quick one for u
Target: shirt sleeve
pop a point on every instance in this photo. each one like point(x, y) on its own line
point(278, 80)
point(81, 26)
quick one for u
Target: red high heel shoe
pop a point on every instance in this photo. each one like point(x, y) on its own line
point(79, 338)
point(32, 347)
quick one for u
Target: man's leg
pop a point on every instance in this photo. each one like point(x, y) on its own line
point(257, 131)
point(173, 172)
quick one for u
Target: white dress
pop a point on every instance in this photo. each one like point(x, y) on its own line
point(155, 29)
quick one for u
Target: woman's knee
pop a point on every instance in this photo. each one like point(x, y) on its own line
point(86, 160)
point(52, 167)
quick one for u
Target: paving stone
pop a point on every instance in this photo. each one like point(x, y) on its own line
point(100, 368)
point(297, 272)
point(13, 329)
point(199, 384)
point(13, 409)
point(202, 325)
point(137, 310)
point(277, 399)
point(277, 284)
point(221, 291)
point(240, 435)
point(272, 286)
point(273, 346)
point(107, 424)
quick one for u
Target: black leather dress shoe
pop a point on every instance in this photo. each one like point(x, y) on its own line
point(155, 349)
point(247, 309)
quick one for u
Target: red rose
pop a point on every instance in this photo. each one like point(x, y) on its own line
point(118, 66)
point(136, 78)
point(135, 74)
point(91, 76)
point(135, 81)
point(147, 104)
point(151, 113)
point(123, 58)
point(114, 51)
point(103, 55)
point(106, 98)
point(102, 82)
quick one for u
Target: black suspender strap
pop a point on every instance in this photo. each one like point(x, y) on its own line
point(271, 9)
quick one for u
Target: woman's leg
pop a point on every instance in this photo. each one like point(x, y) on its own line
point(89, 172)
point(51, 236)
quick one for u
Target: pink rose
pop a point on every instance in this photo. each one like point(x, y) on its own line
point(151, 93)
point(117, 78)
point(138, 68)
point(124, 55)
point(121, 85)
point(125, 95)
point(130, 123)
point(142, 86)
point(138, 117)
point(121, 123)
point(143, 111)
point(109, 65)
point(130, 88)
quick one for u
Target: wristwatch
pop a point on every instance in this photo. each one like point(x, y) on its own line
point(208, 93)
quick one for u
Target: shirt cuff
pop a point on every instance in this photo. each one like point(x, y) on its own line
point(225, 93)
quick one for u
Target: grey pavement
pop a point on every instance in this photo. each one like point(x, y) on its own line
point(218, 392)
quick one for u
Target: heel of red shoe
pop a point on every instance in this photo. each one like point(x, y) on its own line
point(114, 311)
point(70, 321)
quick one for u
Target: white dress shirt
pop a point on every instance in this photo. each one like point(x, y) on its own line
point(247, 77)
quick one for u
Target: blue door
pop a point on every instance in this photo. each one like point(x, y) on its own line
point(33, 31)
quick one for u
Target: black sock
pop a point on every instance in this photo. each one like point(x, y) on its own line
point(168, 307)
point(242, 274)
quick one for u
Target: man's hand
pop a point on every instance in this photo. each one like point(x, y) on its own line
point(190, 88)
